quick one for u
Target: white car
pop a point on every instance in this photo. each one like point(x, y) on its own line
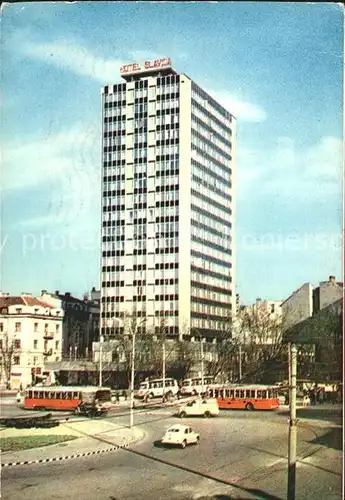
point(180, 435)
point(199, 408)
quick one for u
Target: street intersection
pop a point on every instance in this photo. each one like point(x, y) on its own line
point(240, 455)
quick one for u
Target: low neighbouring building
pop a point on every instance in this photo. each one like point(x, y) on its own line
point(30, 336)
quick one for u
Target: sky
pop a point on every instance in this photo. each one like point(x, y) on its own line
point(278, 67)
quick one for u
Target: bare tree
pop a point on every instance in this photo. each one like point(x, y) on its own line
point(7, 350)
point(260, 335)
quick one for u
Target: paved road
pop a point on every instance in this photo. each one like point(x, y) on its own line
point(240, 451)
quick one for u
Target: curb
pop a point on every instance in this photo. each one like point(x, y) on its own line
point(68, 457)
point(78, 455)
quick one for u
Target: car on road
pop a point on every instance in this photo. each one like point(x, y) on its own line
point(199, 408)
point(180, 435)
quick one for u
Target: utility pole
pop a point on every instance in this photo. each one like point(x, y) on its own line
point(292, 425)
point(289, 365)
point(202, 364)
point(240, 364)
point(100, 359)
point(132, 378)
point(163, 370)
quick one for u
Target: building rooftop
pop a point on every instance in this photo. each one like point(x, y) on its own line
point(133, 71)
point(23, 300)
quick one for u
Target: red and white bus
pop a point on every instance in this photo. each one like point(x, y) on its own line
point(67, 398)
point(245, 397)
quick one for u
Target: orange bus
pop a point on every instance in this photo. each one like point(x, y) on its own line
point(245, 397)
point(78, 399)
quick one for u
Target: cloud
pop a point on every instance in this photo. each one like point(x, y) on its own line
point(291, 171)
point(144, 55)
point(242, 110)
point(75, 58)
point(66, 165)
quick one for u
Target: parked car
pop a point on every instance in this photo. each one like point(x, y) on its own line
point(199, 408)
point(180, 435)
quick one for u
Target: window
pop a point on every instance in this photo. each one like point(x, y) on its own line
point(16, 360)
point(57, 344)
point(18, 327)
point(57, 328)
point(1, 327)
point(1, 344)
point(35, 344)
point(17, 344)
point(18, 310)
point(35, 327)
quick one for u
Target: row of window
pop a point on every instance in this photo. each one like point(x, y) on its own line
point(201, 202)
point(204, 262)
point(224, 246)
point(206, 293)
point(210, 309)
point(207, 149)
point(206, 226)
point(162, 104)
point(118, 95)
point(209, 142)
point(218, 202)
point(204, 217)
point(222, 169)
point(219, 133)
point(18, 326)
point(207, 323)
point(210, 253)
point(202, 275)
point(208, 114)
point(209, 184)
point(114, 156)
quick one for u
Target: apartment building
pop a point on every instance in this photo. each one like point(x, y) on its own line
point(30, 336)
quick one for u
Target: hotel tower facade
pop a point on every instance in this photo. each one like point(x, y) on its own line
point(168, 204)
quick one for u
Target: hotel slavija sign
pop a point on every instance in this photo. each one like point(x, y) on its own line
point(148, 66)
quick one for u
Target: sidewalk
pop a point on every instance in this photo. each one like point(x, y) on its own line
point(95, 436)
point(324, 415)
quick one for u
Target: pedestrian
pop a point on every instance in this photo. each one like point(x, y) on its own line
point(306, 401)
point(18, 397)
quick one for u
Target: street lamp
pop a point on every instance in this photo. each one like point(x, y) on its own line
point(202, 363)
point(132, 379)
point(101, 340)
point(292, 423)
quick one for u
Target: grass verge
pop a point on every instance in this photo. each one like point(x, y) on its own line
point(26, 442)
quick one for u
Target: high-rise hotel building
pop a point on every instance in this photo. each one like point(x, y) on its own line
point(168, 205)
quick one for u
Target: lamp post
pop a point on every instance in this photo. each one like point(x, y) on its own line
point(101, 340)
point(202, 364)
point(163, 370)
point(131, 413)
point(240, 364)
point(292, 425)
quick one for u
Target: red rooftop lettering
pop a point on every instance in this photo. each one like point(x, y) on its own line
point(128, 68)
point(157, 63)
